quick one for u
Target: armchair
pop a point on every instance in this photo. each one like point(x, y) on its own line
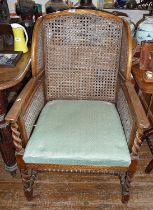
point(79, 113)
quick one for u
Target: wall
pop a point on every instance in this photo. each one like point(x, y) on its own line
point(135, 15)
point(11, 4)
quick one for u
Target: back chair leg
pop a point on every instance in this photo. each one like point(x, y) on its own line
point(149, 167)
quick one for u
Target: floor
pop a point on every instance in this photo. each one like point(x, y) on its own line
point(54, 191)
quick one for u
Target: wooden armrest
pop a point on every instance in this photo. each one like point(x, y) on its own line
point(21, 100)
point(141, 117)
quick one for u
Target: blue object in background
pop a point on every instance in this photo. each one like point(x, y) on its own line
point(145, 30)
point(121, 3)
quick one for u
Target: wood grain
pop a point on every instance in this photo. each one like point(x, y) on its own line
point(21, 100)
point(138, 76)
point(57, 191)
point(142, 121)
point(9, 77)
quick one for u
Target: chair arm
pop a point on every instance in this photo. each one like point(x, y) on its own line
point(141, 118)
point(25, 111)
point(21, 101)
point(132, 115)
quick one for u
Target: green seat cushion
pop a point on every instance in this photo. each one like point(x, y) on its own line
point(78, 132)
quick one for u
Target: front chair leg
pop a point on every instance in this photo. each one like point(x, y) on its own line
point(125, 180)
point(28, 181)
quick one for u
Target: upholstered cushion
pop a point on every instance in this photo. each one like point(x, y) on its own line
point(78, 132)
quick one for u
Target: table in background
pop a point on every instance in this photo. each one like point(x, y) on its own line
point(9, 79)
point(145, 92)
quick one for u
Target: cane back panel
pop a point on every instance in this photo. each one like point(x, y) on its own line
point(82, 55)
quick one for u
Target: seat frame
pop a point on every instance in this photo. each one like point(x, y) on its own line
point(20, 136)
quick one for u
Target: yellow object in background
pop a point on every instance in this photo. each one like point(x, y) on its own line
point(20, 41)
point(108, 4)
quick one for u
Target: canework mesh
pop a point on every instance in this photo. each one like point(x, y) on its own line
point(124, 113)
point(39, 50)
point(82, 53)
point(33, 110)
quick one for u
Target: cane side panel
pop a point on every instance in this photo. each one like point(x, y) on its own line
point(82, 54)
point(124, 113)
point(33, 110)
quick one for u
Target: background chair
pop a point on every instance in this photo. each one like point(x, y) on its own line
point(88, 117)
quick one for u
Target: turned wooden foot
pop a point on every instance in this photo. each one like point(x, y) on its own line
point(125, 180)
point(28, 194)
point(125, 198)
point(13, 173)
point(28, 181)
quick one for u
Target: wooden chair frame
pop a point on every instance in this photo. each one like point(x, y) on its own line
point(20, 137)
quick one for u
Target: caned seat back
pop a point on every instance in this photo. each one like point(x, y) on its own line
point(82, 52)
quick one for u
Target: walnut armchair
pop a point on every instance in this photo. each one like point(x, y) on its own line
point(79, 113)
